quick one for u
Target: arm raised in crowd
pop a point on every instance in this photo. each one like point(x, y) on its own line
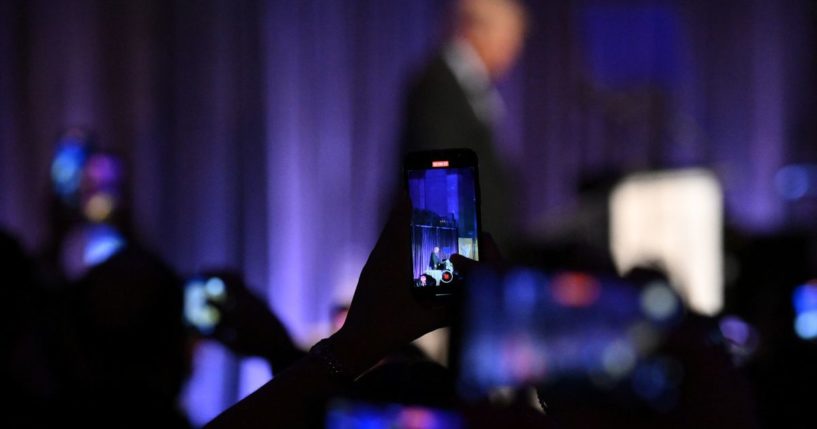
point(383, 316)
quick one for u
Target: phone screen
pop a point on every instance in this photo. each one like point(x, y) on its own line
point(199, 292)
point(523, 326)
point(360, 415)
point(444, 191)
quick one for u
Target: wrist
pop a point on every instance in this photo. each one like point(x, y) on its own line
point(356, 353)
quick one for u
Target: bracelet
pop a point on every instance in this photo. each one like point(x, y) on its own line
point(324, 351)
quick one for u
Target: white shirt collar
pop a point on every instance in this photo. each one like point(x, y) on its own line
point(472, 75)
point(466, 65)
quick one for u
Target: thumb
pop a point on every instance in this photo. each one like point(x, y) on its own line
point(463, 264)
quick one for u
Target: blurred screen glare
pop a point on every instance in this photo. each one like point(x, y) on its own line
point(103, 241)
point(197, 309)
point(673, 218)
point(66, 168)
point(360, 415)
point(658, 302)
point(804, 300)
point(523, 326)
point(796, 181)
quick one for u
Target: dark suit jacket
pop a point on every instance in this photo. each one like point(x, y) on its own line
point(435, 261)
point(438, 115)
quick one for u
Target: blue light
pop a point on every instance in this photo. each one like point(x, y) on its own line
point(735, 330)
point(103, 242)
point(806, 325)
point(794, 182)
point(804, 298)
point(66, 169)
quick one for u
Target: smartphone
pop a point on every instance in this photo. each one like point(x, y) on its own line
point(524, 326)
point(444, 189)
point(345, 414)
point(199, 293)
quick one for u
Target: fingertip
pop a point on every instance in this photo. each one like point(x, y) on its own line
point(460, 260)
point(457, 257)
point(489, 250)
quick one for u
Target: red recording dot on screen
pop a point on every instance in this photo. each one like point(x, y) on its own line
point(438, 164)
point(446, 276)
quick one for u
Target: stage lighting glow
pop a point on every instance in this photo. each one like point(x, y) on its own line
point(804, 300)
point(658, 302)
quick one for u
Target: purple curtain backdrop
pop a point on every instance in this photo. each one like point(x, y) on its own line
point(262, 134)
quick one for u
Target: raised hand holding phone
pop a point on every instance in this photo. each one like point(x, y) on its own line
point(445, 220)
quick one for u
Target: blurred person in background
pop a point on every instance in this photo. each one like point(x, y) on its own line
point(453, 103)
point(122, 349)
point(89, 218)
point(27, 383)
point(101, 342)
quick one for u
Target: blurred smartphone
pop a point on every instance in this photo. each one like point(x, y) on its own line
point(343, 414)
point(523, 326)
point(444, 190)
point(199, 293)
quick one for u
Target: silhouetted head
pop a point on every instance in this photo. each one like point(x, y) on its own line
point(130, 344)
point(495, 29)
point(16, 287)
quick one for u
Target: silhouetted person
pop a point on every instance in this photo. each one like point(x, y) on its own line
point(27, 384)
point(453, 102)
point(435, 261)
point(124, 346)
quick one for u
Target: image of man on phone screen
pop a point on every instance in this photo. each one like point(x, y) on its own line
point(435, 262)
